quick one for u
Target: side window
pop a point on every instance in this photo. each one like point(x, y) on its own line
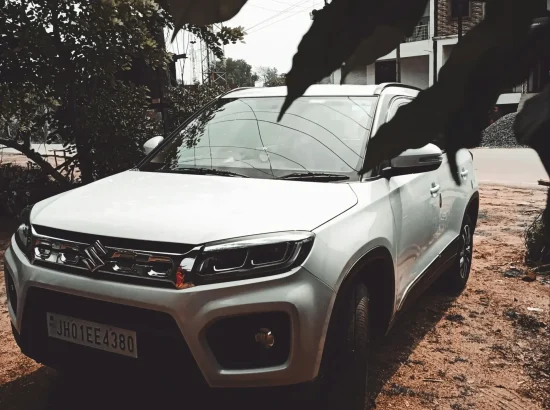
point(396, 105)
point(392, 110)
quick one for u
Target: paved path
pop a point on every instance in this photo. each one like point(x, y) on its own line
point(508, 166)
point(40, 148)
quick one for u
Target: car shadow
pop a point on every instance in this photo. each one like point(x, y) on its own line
point(395, 349)
point(46, 389)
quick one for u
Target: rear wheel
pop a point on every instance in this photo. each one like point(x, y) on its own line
point(457, 276)
point(345, 364)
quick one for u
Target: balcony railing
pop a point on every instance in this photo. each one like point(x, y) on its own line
point(420, 33)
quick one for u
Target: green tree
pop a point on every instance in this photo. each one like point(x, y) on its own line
point(117, 123)
point(237, 72)
point(271, 77)
point(185, 100)
point(24, 112)
point(70, 53)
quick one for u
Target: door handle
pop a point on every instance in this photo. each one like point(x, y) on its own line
point(464, 173)
point(434, 189)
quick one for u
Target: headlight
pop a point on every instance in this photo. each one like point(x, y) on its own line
point(253, 256)
point(23, 235)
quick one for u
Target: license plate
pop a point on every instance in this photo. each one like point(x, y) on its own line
point(96, 335)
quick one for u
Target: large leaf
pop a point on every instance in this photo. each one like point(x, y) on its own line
point(397, 20)
point(338, 32)
point(496, 54)
point(203, 12)
point(532, 123)
point(371, 48)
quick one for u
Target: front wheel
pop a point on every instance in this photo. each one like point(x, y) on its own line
point(457, 276)
point(345, 366)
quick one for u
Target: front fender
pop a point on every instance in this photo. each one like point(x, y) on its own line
point(343, 241)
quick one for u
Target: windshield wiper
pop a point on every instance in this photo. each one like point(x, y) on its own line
point(207, 171)
point(315, 176)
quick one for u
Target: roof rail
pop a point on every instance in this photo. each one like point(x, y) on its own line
point(235, 89)
point(383, 86)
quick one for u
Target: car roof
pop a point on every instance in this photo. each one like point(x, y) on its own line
point(327, 90)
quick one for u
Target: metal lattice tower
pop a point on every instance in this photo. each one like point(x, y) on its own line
point(206, 57)
point(208, 61)
point(192, 51)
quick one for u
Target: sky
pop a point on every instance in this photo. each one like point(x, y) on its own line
point(274, 30)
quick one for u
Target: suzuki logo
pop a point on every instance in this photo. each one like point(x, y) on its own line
point(94, 253)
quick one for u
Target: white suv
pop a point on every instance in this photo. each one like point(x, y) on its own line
point(248, 250)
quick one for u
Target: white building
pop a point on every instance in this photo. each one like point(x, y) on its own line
point(417, 60)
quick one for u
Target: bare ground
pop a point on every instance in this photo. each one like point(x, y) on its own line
point(482, 350)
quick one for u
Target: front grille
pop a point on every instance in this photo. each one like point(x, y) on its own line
point(105, 257)
point(159, 340)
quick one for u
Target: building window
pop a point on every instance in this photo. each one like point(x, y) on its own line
point(456, 5)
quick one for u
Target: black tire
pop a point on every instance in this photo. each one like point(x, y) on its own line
point(345, 364)
point(457, 276)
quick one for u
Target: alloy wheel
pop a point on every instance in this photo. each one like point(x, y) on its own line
point(465, 251)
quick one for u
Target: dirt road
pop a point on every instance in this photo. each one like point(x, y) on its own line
point(482, 350)
point(508, 166)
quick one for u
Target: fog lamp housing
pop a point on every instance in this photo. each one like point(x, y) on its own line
point(251, 341)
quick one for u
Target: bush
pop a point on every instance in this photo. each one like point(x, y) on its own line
point(117, 123)
point(537, 249)
point(20, 187)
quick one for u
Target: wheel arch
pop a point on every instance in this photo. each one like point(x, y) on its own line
point(381, 288)
point(376, 270)
point(472, 209)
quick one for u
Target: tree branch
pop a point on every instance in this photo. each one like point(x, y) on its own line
point(34, 156)
point(66, 163)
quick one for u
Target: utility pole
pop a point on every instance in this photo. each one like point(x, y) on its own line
point(162, 86)
point(462, 4)
point(398, 63)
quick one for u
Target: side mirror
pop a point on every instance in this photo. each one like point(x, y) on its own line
point(152, 143)
point(415, 161)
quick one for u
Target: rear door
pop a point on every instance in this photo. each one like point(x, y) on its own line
point(415, 201)
point(454, 197)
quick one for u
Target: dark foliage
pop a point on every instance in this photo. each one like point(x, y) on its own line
point(203, 12)
point(537, 246)
point(186, 100)
point(20, 187)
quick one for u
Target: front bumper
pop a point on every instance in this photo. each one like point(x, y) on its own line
point(304, 299)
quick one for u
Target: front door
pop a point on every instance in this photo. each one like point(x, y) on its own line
point(415, 200)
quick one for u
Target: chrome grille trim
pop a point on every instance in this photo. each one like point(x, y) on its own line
point(94, 257)
point(37, 235)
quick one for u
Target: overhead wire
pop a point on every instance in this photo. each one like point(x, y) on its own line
point(280, 20)
point(264, 8)
point(277, 21)
point(281, 2)
point(299, 3)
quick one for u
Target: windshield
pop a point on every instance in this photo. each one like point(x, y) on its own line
point(318, 135)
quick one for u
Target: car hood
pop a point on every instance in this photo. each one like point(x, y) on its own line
point(192, 209)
